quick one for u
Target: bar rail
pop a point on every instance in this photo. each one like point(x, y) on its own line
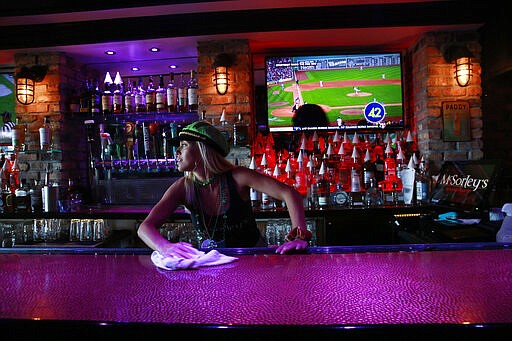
point(387, 292)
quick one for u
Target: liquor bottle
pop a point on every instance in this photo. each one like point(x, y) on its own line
point(45, 135)
point(18, 135)
point(356, 195)
point(182, 95)
point(161, 96)
point(323, 188)
point(85, 97)
point(146, 135)
point(172, 94)
point(36, 196)
point(129, 132)
point(289, 178)
point(301, 180)
point(173, 127)
point(138, 144)
point(154, 132)
point(166, 145)
point(192, 92)
point(368, 168)
point(140, 97)
point(400, 162)
point(14, 175)
point(339, 198)
point(118, 95)
point(267, 202)
point(5, 174)
point(241, 135)
point(389, 164)
point(22, 197)
point(331, 162)
point(129, 98)
point(343, 169)
point(373, 196)
point(226, 129)
point(150, 96)
point(254, 194)
point(107, 97)
point(422, 183)
point(379, 167)
point(347, 144)
point(96, 99)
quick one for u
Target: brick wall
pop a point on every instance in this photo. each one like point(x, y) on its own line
point(433, 83)
point(239, 98)
point(55, 98)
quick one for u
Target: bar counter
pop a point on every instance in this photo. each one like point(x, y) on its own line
point(387, 291)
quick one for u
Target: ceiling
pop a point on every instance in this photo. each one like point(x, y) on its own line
point(176, 26)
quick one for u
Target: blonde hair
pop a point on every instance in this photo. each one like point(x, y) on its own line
point(214, 164)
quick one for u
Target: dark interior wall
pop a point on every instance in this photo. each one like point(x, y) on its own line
point(496, 98)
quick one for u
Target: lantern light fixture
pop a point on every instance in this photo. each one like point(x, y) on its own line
point(461, 57)
point(221, 75)
point(25, 82)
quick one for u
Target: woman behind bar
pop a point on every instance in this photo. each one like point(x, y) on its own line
point(216, 192)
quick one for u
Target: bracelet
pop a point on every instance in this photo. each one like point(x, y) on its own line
point(298, 233)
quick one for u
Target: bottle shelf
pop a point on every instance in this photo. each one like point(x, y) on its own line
point(140, 117)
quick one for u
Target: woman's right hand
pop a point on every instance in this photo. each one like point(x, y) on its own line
point(180, 250)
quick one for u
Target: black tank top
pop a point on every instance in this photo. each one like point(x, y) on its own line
point(236, 227)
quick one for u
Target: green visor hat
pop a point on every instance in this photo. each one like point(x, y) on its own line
point(203, 132)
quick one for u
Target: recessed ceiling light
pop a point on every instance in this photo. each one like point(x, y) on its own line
point(172, 66)
point(134, 68)
point(110, 52)
point(154, 49)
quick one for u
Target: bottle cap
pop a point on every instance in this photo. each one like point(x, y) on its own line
point(355, 154)
point(118, 79)
point(336, 137)
point(288, 166)
point(355, 139)
point(409, 137)
point(341, 151)
point(264, 161)
point(253, 164)
point(410, 164)
point(367, 156)
point(277, 171)
point(329, 150)
point(108, 78)
point(345, 138)
point(322, 169)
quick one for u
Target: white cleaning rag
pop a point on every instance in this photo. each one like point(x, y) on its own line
point(211, 258)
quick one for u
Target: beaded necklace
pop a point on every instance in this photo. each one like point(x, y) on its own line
point(210, 181)
point(222, 199)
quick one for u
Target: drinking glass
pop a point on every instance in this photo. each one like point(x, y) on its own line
point(74, 230)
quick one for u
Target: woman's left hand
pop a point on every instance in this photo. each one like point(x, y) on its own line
point(293, 245)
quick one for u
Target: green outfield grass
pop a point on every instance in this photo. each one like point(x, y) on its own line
point(336, 98)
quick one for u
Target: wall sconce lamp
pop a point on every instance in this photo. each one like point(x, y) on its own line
point(25, 82)
point(463, 67)
point(221, 76)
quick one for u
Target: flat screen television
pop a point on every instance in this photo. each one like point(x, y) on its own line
point(357, 91)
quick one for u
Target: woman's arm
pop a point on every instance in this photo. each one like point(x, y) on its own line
point(149, 231)
point(278, 190)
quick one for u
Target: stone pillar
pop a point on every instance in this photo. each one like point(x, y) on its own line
point(55, 98)
point(239, 98)
point(433, 83)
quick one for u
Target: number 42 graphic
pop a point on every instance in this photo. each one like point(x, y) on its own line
point(374, 112)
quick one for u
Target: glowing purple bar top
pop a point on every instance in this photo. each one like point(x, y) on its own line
point(341, 289)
